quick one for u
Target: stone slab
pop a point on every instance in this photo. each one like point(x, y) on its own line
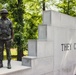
point(64, 57)
point(43, 65)
point(32, 47)
point(55, 18)
point(16, 67)
point(44, 48)
point(28, 60)
point(40, 48)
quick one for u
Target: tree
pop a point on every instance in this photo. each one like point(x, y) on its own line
point(16, 9)
point(43, 5)
point(17, 13)
point(26, 16)
point(67, 7)
point(32, 19)
point(26, 23)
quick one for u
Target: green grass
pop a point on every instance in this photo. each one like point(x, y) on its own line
point(14, 53)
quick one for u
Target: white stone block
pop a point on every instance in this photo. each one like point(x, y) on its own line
point(39, 66)
point(57, 72)
point(64, 60)
point(28, 61)
point(43, 65)
point(44, 48)
point(51, 18)
point(40, 48)
point(50, 73)
point(50, 33)
point(32, 47)
point(57, 30)
point(65, 20)
point(47, 17)
point(42, 32)
point(46, 32)
point(73, 25)
point(57, 19)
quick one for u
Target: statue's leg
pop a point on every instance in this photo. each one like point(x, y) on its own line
point(1, 52)
point(8, 46)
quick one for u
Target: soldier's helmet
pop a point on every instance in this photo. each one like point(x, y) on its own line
point(4, 11)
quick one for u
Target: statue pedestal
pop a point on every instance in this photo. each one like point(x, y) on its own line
point(16, 68)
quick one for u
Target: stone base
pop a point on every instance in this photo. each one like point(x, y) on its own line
point(16, 67)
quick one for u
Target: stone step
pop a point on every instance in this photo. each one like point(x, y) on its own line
point(42, 32)
point(40, 48)
point(46, 32)
point(39, 66)
point(16, 69)
point(28, 61)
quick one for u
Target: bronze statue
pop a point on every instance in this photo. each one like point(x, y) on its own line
point(6, 35)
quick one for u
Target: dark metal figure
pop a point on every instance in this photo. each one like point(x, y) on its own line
point(6, 35)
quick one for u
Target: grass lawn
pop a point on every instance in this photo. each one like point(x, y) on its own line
point(14, 53)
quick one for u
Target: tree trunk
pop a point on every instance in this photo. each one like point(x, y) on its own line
point(68, 7)
point(19, 54)
point(20, 21)
point(43, 5)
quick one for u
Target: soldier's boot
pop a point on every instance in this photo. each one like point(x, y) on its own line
point(1, 56)
point(9, 64)
point(1, 64)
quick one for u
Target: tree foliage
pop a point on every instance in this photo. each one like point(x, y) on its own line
point(26, 16)
point(67, 7)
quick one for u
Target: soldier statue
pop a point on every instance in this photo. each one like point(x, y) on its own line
point(6, 35)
